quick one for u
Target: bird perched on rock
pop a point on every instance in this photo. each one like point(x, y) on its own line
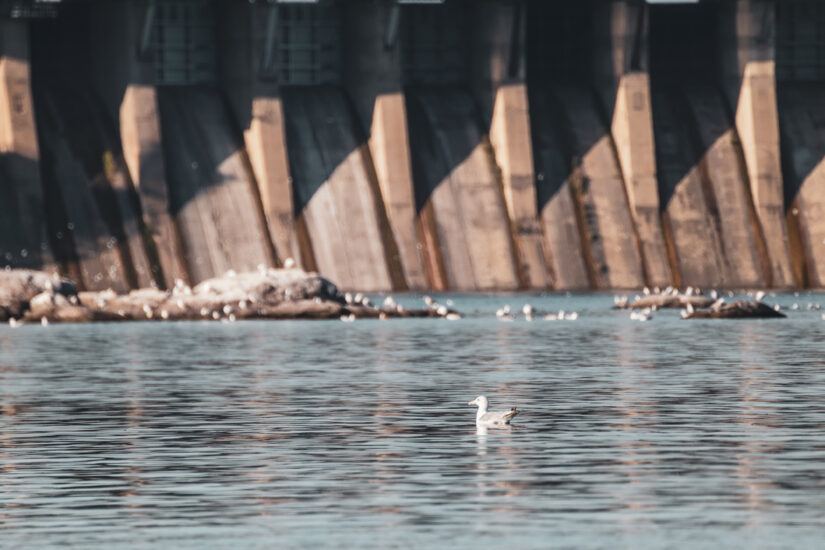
point(492, 418)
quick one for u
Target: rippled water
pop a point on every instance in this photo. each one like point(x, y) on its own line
point(306, 434)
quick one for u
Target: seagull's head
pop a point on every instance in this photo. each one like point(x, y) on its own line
point(480, 401)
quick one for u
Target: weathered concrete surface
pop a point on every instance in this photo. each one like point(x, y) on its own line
point(91, 202)
point(689, 224)
point(803, 140)
point(606, 221)
point(372, 78)
point(498, 80)
point(71, 166)
point(748, 42)
point(555, 199)
point(266, 144)
point(122, 80)
point(758, 127)
point(389, 144)
point(455, 174)
point(212, 192)
point(728, 189)
point(621, 68)
point(510, 137)
point(736, 310)
point(247, 83)
point(143, 154)
point(23, 233)
point(632, 130)
point(335, 189)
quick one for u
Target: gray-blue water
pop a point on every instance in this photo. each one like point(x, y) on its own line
point(323, 434)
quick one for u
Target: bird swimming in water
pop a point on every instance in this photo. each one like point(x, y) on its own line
point(492, 418)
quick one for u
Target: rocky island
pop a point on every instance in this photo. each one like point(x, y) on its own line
point(28, 296)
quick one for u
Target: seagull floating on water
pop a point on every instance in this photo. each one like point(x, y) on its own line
point(492, 418)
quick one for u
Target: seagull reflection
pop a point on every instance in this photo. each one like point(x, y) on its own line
point(481, 440)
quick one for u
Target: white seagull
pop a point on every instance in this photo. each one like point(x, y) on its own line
point(492, 418)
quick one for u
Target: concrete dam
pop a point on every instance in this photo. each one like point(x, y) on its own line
point(416, 145)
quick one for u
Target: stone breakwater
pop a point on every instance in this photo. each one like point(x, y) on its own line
point(35, 296)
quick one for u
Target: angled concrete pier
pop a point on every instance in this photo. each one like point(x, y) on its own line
point(464, 218)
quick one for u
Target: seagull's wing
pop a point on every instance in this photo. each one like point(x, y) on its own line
point(499, 417)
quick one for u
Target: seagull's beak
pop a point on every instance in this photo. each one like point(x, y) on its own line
point(473, 402)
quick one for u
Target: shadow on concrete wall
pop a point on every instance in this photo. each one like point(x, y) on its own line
point(445, 127)
point(802, 139)
point(24, 241)
point(704, 190)
point(341, 218)
point(212, 192)
point(445, 124)
point(449, 86)
point(89, 196)
point(322, 133)
point(580, 189)
point(684, 53)
point(193, 156)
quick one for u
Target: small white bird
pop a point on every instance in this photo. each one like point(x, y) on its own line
point(760, 295)
point(492, 418)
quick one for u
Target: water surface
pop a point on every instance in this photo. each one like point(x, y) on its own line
point(301, 434)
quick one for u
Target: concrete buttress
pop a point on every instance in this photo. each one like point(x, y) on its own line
point(23, 229)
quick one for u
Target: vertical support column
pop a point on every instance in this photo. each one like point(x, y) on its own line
point(126, 77)
point(372, 77)
point(266, 145)
point(501, 82)
point(250, 84)
point(750, 80)
point(143, 154)
point(24, 241)
point(622, 75)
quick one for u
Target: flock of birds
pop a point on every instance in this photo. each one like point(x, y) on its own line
point(528, 312)
point(645, 314)
point(504, 314)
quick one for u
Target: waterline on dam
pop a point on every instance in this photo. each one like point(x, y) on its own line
point(329, 434)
